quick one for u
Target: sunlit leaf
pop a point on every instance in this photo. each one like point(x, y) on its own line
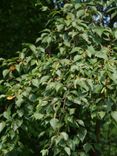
point(2, 125)
point(114, 115)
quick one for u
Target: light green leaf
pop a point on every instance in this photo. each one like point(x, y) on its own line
point(17, 124)
point(60, 27)
point(38, 115)
point(72, 111)
point(7, 114)
point(5, 72)
point(115, 33)
point(54, 123)
point(2, 96)
point(35, 82)
point(81, 82)
point(65, 135)
point(102, 55)
point(77, 5)
point(85, 37)
point(19, 100)
point(114, 115)
point(80, 13)
point(74, 68)
point(32, 47)
point(44, 79)
point(74, 100)
point(58, 72)
point(2, 125)
point(76, 50)
point(77, 57)
point(90, 51)
point(44, 152)
point(101, 114)
point(80, 122)
point(20, 113)
point(99, 31)
point(90, 83)
point(44, 8)
point(58, 86)
point(67, 150)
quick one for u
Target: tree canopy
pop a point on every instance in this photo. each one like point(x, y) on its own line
point(58, 96)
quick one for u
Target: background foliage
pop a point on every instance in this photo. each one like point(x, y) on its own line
point(21, 21)
point(59, 96)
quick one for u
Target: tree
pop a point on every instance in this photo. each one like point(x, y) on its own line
point(58, 97)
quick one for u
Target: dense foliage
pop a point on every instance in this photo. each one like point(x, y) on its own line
point(59, 97)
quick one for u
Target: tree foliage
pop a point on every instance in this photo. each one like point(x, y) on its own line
point(59, 96)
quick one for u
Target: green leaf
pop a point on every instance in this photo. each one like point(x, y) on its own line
point(19, 100)
point(102, 54)
point(60, 27)
point(58, 86)
point(90, 51)
point(17, 124)
point(77, 57)
point(38, 115)
point(44, 8)
point(115, 33)
point(67, 150)
point(2, 125)
point(77, 5)
point(76, 50)
point(35, 82)
point(74, 100)
point(74, 68)
point(44, 152)
point(32, 47)
point(65, 135)
point(82, 134)
point(85, 37)
point(81, 82)
point(44, 79)
point(101, 114)
point(87, 147)
point(113, 76)
point(20, 113)
point(2, 96)
point(83, 154)
point(7, 114)
point(5, 72)
point(22, 55)
point(80, 13)
point(114, 115)
point(32, 97)
point(72, 111)
point(99, 31)
point(58, 72)
point(80, 122)
point(54, 123)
